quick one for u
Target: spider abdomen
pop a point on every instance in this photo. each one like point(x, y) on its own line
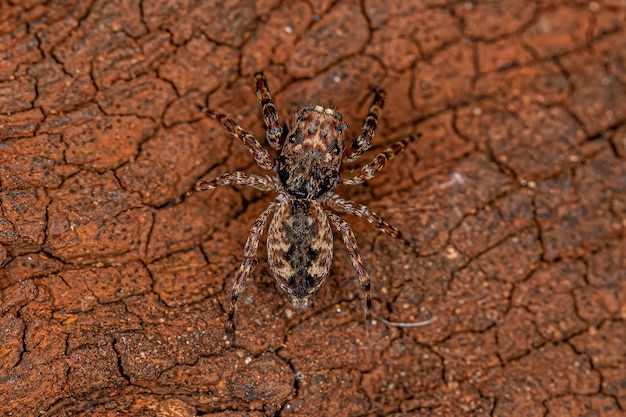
point(300, 249)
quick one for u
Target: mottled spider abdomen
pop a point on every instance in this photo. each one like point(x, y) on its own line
point(309, 161)
point(300, 249)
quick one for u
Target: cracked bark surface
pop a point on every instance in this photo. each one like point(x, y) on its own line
point(113, 294)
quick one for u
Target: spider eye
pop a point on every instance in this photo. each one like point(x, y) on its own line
point(335, 150)
point(294, 136)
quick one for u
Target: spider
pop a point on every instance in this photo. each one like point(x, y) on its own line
point(299, 238)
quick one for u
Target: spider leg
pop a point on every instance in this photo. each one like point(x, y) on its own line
point(249, 261)
point(333, 201)
point(357, 263)
point(364, 140)
point(370, 170)
point(261, 156)
point(236, 177)
point(270, 113)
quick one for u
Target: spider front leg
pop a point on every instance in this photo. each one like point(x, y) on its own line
point(370, 170)
point(333, 201)
point(270, 113)
point(238, 178)
point(364, 140)
point(357, 263)
point(261, 156)
point(249, 261)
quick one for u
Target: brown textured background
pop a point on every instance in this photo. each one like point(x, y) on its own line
point(113, 295)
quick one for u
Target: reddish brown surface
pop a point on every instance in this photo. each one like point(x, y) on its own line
point(113, 296)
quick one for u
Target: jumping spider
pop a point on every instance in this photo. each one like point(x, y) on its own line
point(299, 239)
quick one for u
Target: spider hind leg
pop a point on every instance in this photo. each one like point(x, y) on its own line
point(349, 241)
point(249, 262)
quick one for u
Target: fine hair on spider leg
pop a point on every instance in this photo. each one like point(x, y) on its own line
point(310, 156)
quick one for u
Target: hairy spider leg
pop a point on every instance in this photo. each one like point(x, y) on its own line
point(249, 261)
point(238, 178)
point(357, 263)
point(270, 113)
point(261, 156)
point(333, 201)
point(363, 142)
point(370, 170)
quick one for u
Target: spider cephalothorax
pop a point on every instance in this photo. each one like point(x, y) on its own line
point(300, 239)
point(310, 158)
